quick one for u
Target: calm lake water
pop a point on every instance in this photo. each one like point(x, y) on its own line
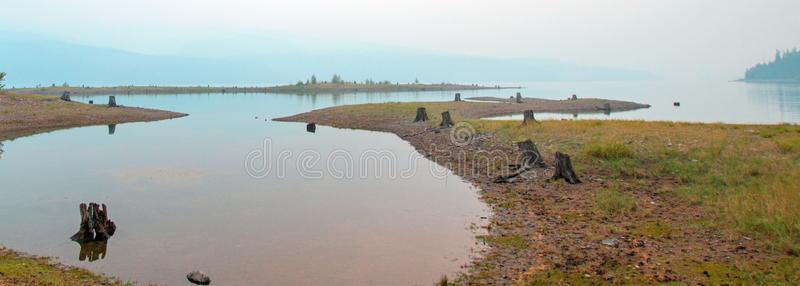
point(191, 193)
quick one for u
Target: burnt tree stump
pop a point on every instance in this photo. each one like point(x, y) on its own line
point(458, 97)
point(564, 169)
point(65, 96)
point(527, 117)
point(112, 101)
point(311, 127)
point(519, 97)
point(446, 120)
point(422, 115)
point(95, 225)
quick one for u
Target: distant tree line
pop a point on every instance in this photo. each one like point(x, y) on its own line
point(337, 79)
point(785, 66)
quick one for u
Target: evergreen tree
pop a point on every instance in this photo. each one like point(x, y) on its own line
point(2, 78)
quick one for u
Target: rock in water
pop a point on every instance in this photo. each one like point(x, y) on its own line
point(198, 278)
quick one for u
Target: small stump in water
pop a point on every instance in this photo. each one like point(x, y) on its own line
point(422, 115)
point(112, 101)
point(527, 117)
point(446, 120)
point(111, 129)
point(458, 97)
point(65, 96)
point(519, 97)
point(676, 104)
point(198, 278)
point(311, 127)
point(95, 225)
point(564, 169)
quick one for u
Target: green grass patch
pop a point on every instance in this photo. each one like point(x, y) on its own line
point(655, 229)
point(612, 202)
point(514, 241)
point(609, 150)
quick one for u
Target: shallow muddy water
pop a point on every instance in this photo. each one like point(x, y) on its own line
point(194, 193)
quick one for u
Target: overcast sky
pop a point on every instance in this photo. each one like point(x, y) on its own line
point(672, 38)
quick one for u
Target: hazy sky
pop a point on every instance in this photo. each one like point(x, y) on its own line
point(672, 38)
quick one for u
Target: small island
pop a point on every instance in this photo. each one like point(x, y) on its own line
point(310, 86)
point(784, 68)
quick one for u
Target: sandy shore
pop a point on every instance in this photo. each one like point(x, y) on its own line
point(634, 219)
point(23, 115)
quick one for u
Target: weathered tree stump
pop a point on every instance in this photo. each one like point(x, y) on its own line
point(574, 97)
point(95, 224)
point(531, 159)
point(676, 104)
point(65, 96)
point(564, 169)
point(519, 97)
point(458, 97)
point(112, 101)
point(527, 117)
point(446, 120)
point(422, 115)
point(311, 127)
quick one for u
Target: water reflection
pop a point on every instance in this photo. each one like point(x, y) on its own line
point(93, 250)
point(111, 129)
point(785, 98)
point(1, 150)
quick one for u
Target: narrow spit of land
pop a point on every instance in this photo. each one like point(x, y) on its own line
point(660, 202)
point(27, 114)
point(319, 88)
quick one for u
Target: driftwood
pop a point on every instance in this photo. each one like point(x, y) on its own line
point(527, 117)
point(446, 120)
point(458, 97)
point(422, 115)
point(531, 159)
point(95, 225)
point(519, 97)
point(311, 127)
point(112, 101)
point(564, 169)
point(65, 96)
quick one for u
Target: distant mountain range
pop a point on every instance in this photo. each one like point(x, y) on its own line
point(785, 67)
point(31, 61)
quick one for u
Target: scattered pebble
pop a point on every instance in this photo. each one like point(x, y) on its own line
point(198, 278)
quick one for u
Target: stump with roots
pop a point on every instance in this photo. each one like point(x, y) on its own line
point(446, 120)
point(112, 101)
point(311, 127)
point(519, 97)
point(95, 225)
point(422, 115)
point(458, 97)
point(531, 158)
point(65, 96)
point(527, 117)
point(564, 169)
